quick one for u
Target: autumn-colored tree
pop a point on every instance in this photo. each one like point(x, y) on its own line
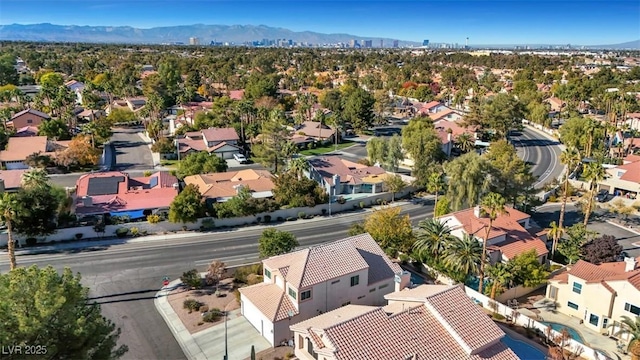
point(78, 153)
point(392, 230)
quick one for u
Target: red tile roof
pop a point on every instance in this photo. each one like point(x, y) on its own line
point(222, 185)
point(271, 300)
point(446, 325)
point(12, 178)
point(441, 114)
point(349, 172)
point(606, 272)
point(631, 171)
point(220, 134)
point(236, 94)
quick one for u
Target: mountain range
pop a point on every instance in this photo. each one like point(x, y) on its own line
point(237, 34)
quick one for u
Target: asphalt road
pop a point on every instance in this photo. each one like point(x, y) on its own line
point(124, 278)
point(541, 153)
point(131, 152)
point(630, 241)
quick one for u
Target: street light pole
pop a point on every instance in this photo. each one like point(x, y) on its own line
point(226, 348)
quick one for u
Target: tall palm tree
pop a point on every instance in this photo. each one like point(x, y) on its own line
point(555, 231)
point(8, 209)
point(465, 142)
point(632, 328)
point(594, 173)
point(299, 166)
point(432, 237)
point(435, 184)
point(570, 157)
point(463, 255)
point(500, 275)
point(493, 205)
point(34, 178)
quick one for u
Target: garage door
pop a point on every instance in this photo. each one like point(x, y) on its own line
point(227, 155)
point(16, 165)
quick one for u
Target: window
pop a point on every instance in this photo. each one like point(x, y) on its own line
point(355, 280)
point(305, 295)
point(292, 293)
point(383, 286)
point(593, 319)
point(553, 292)
point(29, 121)
point(310, 349)
point(574, 306)
point(267, 273)
point(372, 290)
point(577, 288)
point(632, 309)
point(605, 323)
point(335, 281)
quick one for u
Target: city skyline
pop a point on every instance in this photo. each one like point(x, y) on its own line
point(498, 22)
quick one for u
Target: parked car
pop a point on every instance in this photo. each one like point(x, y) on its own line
point(240, 158)
point(602, 196)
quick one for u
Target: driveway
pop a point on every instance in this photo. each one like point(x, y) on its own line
point(131, 152)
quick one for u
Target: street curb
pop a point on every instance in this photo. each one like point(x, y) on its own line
point(631, 230)
point(176, 327)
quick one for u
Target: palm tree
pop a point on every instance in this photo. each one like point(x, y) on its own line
point(465, 142)
point(432, 237)
point(500, 275)
point(555, 231)
point(594, 173)
point(435, 183)
point(34, 178)
point(463, 255)
point(299, 166)
point(8, 209)
point(571, 159)
point(632, 328)
point(493, 205)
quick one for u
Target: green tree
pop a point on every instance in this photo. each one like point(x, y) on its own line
point(163, 146)
point(274, 242)
point(435, 183)
point(34, 178)
point(394, 184)
point(274, 136)
point(527, 270)
point(631, 327)
point(52, 310)
point(500, 275)
point(292, 191)
point(442, 207)
point(571, 246)
point(299, 166)
point(376, 150)
point(260, 85)
point(39, 217)
point(493, 206)
point(465, 142)
point(512, 176)
point(188, 206)
point(421, 142)
point(358, 109)
point(200, 163)
point(432, 238)
point(570, 157)
point(463, 257)
point(121, 116)
point(469, 178)
point(55, 129)
point(594, 173)
point(391, 230)
point(9, 208)
point(394, 154)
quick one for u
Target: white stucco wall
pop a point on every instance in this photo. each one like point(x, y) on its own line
point(257, 319)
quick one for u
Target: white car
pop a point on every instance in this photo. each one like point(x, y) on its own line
point(240, 158)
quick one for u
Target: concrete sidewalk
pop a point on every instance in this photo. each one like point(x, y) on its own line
point(210, 343)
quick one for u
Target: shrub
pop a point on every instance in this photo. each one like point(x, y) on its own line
point(241, 273)
point(208, 224)
point(552, 198)
point(362, 205)
point(79, 236)
point(191, 305)
point(134, 231)
point(302, 215)
point(147, 173)
point(280, 218)
point(122, 232)
point(192, 279)
point(258, 218)
point(212, 315)
point(379, 201)
point(236, 293)
point(31, 241)
point(324, 211)
point(498, 316)
point(404, 258)
point(289, 356)
point(341, 200)
point(253, 279)
point(267, 218)
point(154, 218)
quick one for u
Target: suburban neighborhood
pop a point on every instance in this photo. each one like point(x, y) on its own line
point(319, 202)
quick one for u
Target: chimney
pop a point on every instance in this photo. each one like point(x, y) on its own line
point(630, 264)
point(476, 211)
point(402, 280)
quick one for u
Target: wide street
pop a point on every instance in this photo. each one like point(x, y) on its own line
point(125, 278)
point(542, 153)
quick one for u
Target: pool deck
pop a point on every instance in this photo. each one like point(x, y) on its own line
point(543, 311)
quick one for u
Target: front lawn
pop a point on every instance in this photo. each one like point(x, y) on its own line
point(327, 148)
point(169, 163)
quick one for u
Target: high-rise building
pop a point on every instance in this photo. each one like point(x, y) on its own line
point(425, 43)
point(354, 43)
point(381, 43)
point(395, 43)
point(194, 41)
point(368, 44)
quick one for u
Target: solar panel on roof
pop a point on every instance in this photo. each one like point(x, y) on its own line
point(153, 182)
point(104, 185)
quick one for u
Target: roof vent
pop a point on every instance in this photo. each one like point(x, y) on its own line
point(630, 264)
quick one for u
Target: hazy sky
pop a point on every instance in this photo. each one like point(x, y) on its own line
point(484, 22)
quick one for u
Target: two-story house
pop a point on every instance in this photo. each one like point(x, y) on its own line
point(623, 179)
point(426, 322)
point(222, 142)
point(598, 294)
point(309, 282)
point(28, 117)
point(510, 235)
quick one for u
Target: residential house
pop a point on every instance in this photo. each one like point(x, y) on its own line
point(426, 322)
point(19, 148)
point(599, 295)
point(236, 94)
point(448, 131)
point(512, 233)
point(623, 179)
point(26, 131)
point(556, 104)
point(222, 142)
point(446, 114)
point(633, 120)
point(76, 87)
point(11, 180)
point(117, 194)
point(339, 176)
point(134, 104)
point(432, 108)
point(303, 284)
point(28, 117)
point(314, 130)
point(220, 187)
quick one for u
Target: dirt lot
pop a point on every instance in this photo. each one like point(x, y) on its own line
point(278, 353)
point(193, 321)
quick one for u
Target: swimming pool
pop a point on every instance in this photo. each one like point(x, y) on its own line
point(522, 349)
point(575, 334)
point(415, 279)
